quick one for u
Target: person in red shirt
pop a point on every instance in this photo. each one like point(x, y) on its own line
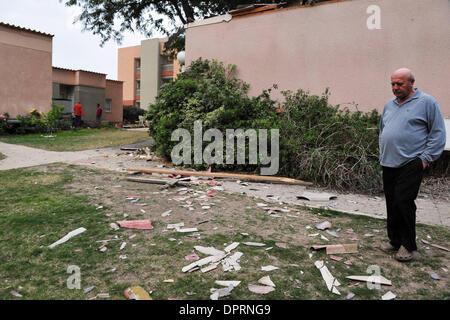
point(98, 114)
point(78, 111)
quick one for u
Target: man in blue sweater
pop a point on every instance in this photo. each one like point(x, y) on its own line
point(412, 135)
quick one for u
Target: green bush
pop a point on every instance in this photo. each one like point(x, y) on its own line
point(318, 142)
point(37, 122)
point(131, 114)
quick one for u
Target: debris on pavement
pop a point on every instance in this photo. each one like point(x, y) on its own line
point(311, 196)
point(136, 224)
point(330, 281)
point(388, 296)
point(67, 237)
point(372, 279)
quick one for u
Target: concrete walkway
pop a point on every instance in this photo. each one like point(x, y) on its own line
point(429, 211)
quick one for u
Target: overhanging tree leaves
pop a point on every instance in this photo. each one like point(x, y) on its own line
point(110, 18)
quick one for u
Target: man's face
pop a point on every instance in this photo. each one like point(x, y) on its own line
point(401, 86)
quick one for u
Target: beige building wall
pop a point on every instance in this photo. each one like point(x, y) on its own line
point(150, 71)
point(126, 70)
point(330, 45)
point(25, 70)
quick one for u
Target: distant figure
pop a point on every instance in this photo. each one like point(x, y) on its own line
point(78, 111)
point(98, 114)
point(412, 136)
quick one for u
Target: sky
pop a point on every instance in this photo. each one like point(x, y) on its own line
point(72, 48)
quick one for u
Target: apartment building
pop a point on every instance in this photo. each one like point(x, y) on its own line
point(90, 88)
point(143, 69)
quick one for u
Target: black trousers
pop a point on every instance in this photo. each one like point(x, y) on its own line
point(401, 186)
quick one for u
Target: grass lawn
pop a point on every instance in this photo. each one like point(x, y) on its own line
point(40, 205)
point(82, 139)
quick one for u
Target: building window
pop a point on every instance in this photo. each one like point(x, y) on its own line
point(138, 103)
point(138, 87)
point(138, 66)
point(108, 105)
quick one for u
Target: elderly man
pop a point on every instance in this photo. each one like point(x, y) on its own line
point(412, 135)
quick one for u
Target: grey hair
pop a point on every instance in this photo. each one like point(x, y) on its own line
point(411, 77)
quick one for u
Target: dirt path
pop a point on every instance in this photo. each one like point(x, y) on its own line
point(430, 210)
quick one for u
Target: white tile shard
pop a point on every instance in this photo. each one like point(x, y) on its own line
point(331, 281)
point(67, 237)
point(266, 281)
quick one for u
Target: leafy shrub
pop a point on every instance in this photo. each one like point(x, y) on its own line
point(36, 121)
point(318, 142)
point(131, 114)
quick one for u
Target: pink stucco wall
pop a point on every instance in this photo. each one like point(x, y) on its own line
point(126, 70)
point(114, 91)
point(330, 45)
point(25, 71)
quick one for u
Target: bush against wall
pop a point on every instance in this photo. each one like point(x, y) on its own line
point(131, 114)
point(318, 142)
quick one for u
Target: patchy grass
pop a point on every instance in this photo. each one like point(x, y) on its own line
point(41, 205)
point(2, 156)
point(77, 140)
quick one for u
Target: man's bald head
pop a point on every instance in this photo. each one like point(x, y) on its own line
point(404, 72)
point(402, 82)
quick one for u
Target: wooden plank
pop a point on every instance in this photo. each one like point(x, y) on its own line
point(236, 176)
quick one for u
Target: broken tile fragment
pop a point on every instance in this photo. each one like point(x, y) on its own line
point(269, 268)
point(330, 281)
point(254, 244)
point(324, 225)
point(266, 281)
point(388, 296)
point(226, 283)
point(260, 289)
point(136, 224)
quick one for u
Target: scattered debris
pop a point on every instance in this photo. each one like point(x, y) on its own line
point(218, 293)
point(231, 246)
point(232, 263)
point(136, 224)
point(233, 176)
point(388, 296)
point(435, 276)
point(136, 293)
point(310, 196)
point(67, 237)
point(435, 245)
point(281, 245)
point(332, 233)
point(324, 225)
point(372, 279)
point(331, 281)
point(166, 214)
point(338, 248)
point(89, 289)
point(122, 246)
point(254, 244)
point(266, 281)
point(103, 295)
point(336, 258)
point(227, 283)
point(260, 289)
point(269, 268)
point(193, 256)
point(168, 281)
point(209, 250)
point(16, 294)
point(350, 296)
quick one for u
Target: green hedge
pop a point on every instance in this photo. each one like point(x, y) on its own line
point(318, 142)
